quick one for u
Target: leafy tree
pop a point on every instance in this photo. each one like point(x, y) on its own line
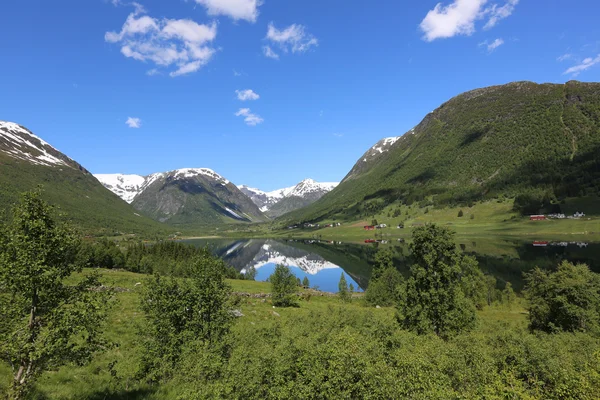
point(434, 298)
point(565, 300)
point(374, 222)
point(384, 259)
point(179, 312)
point(283, 286)
point(384, 290)
point(46, 323)
point(460, 213)
point(351, 289)
point(343, 289)
point(305, 282)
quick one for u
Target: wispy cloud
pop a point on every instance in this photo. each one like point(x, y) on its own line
point(338, 134)
point(293, 39)
point(582, 66)
point(235, 9)
point(491, 46)
point(496, 13)
point(134, 122)
point(245, 95)
point(249, 118)
point(459, 17)
point(564, 57)
point(182, 43)
point(268, 52)
point(238, 73)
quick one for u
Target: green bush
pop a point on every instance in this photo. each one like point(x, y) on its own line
point(566, 300)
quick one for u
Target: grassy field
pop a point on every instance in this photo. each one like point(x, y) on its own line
point(99, 381)
point(489, 219)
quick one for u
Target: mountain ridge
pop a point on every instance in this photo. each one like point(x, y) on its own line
point(27, 162)
point(535, 143)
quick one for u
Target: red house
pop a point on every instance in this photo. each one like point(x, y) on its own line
point(370, 241)
point(370, 228)
point(537, 217)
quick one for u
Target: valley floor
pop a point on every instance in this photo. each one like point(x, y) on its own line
point(488, 219)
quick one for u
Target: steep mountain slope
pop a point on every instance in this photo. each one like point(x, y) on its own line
point(281, 201)
point(27, 161)
point(185, 197)
point(538, 143)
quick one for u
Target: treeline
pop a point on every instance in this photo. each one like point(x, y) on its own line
point(163, 257)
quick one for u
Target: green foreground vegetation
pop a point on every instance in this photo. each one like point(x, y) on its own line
point(445, 332)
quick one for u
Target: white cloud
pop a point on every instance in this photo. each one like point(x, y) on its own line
point(584, 65)
point(496, 13)
point(268, 52)
point(250, 118)
point(134, 122)
point(564, 57)
point(294, 38)
point(459, 17)
point(491, 46)
point(182, 43)
point(338, 134)
point(153, 72)
point(247, 94)
point(235, 9)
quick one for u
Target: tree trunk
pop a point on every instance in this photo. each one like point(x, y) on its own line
point(21, 378)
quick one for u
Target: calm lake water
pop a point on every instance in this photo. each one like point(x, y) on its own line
point(323, 262)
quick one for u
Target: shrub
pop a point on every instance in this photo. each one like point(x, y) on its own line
point(565, 300)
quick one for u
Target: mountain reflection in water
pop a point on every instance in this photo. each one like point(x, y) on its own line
point(324, 261)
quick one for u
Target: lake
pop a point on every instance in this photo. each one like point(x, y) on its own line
point(322, 262)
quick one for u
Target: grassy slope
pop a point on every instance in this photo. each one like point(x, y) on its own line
point(94, 381)
point(87, 204)
point(499, 141)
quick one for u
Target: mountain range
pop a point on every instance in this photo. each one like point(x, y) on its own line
point(196, 196)
point(281, 201)
point(535, 143)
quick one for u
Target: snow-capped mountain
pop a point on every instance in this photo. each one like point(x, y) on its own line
point(281, 201)
point(18, 142)
point(188, 196)
point(128, 187)
point(27, 161)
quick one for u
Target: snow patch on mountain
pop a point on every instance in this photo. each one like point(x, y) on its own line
point(124, 186)
point(193, 172)
point(20, 143)
point(384, 144)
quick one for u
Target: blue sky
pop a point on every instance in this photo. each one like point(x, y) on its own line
point(158, 85)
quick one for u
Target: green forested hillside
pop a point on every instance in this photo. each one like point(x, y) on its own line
point(83, 200)
point(536, 143)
